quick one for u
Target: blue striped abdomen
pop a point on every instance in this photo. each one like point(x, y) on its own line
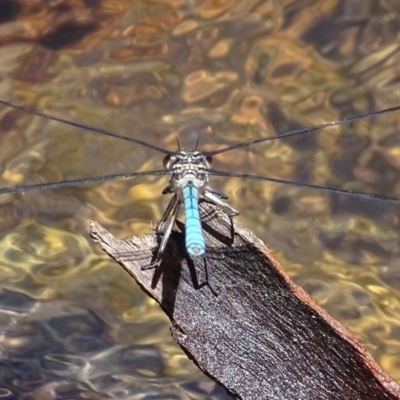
point(195, 245)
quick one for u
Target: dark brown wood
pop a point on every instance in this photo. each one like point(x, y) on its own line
point(247, 325)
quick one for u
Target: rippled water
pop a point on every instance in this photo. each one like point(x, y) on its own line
point(73, 324)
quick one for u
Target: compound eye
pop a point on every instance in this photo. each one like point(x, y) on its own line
point(209, 161)
point(166, 161)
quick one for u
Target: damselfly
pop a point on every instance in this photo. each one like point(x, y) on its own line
point(188, 173)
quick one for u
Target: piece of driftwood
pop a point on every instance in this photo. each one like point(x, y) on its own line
point(244, 323)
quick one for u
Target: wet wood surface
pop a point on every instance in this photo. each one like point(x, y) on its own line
point(244, 322)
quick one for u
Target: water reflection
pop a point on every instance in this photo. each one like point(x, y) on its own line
point(153, 69)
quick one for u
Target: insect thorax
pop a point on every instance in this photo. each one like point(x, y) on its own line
point(188, 169)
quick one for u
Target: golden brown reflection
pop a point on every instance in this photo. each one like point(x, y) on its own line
point(234, 71)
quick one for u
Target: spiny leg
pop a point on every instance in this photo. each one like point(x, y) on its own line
point(215, 192)
point(168, 221)
point(167, 213)
point(225, 207)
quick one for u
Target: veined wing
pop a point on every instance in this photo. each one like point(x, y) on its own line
point(86, 127)
point(353, 193)
point(302, 131)
point(74, 182)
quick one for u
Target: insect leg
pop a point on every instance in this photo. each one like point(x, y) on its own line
point(168, 222)
point(225, 207)
point(215, 192)
point(167, 213)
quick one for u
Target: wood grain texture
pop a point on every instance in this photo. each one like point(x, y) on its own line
point(244, 322)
